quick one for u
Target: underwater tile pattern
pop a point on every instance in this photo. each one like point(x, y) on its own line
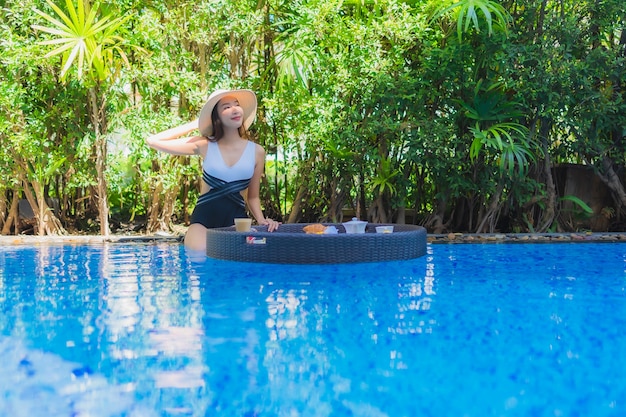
point(503, 329)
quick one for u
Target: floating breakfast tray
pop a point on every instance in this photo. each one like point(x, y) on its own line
point(291, 245)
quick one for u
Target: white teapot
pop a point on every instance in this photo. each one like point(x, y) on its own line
point(355, 226)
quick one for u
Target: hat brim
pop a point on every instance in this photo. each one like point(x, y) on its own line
point(246, 99)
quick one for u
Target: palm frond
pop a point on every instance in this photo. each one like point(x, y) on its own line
point(85, 39)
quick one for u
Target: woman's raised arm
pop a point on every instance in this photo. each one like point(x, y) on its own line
point(170, 140)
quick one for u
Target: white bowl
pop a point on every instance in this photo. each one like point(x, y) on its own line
point(384, 229)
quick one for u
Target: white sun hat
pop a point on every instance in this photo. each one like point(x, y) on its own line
point(246, 99)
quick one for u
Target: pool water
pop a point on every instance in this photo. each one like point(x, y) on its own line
point(467, 330)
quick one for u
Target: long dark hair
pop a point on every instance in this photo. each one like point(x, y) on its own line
point(218, 129)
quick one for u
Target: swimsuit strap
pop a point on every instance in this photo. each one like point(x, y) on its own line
point(220, 188)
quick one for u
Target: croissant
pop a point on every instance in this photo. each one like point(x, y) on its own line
point(316, 229)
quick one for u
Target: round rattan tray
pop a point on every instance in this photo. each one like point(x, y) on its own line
point(290, 245)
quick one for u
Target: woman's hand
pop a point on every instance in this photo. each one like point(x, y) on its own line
point(271, 224)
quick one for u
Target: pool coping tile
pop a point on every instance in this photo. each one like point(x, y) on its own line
point(163, 237)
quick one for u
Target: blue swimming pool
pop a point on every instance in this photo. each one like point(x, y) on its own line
point(467, 330)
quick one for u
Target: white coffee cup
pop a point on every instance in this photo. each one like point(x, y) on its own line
point(243, 224)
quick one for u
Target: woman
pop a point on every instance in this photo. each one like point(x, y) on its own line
point(232, 165)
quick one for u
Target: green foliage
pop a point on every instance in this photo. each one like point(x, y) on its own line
point(385, 180)
point(82, 37)
point(502, 138)
point(580, 204)
point(434, 105)
point(467, 14)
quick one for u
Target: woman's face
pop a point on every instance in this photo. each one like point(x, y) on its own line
point(230, 113)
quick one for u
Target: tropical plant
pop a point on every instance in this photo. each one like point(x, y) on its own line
point(451, 114)
point(90, 43)
point(508, 140)
point(466, 13)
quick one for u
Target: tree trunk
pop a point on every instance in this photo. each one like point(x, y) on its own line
point(549, 212)
point(187, 185)
point(612, 180)
point(401, 215)
point(47, 222)
point(99, 124)
point(12, 218)
point(361, 203)
point(154, 212)
point(161, 209)
point(435, 222)
point(377, 212)
point(271, 204)
point(33, 205)
point(337, 200)
point(490, 219)
point(169, 202)
point(103, 200)
point(3, 206)
point(296, 209)
point(294, 216)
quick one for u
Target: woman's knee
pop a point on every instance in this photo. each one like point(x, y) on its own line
point(195, 238)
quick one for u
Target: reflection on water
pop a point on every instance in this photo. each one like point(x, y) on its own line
point(128, 312)
point(183, 336)
point(188, 336)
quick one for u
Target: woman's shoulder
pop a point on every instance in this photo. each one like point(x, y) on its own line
point(258, 149)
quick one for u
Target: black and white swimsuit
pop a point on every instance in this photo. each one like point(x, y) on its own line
point(223, 202)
